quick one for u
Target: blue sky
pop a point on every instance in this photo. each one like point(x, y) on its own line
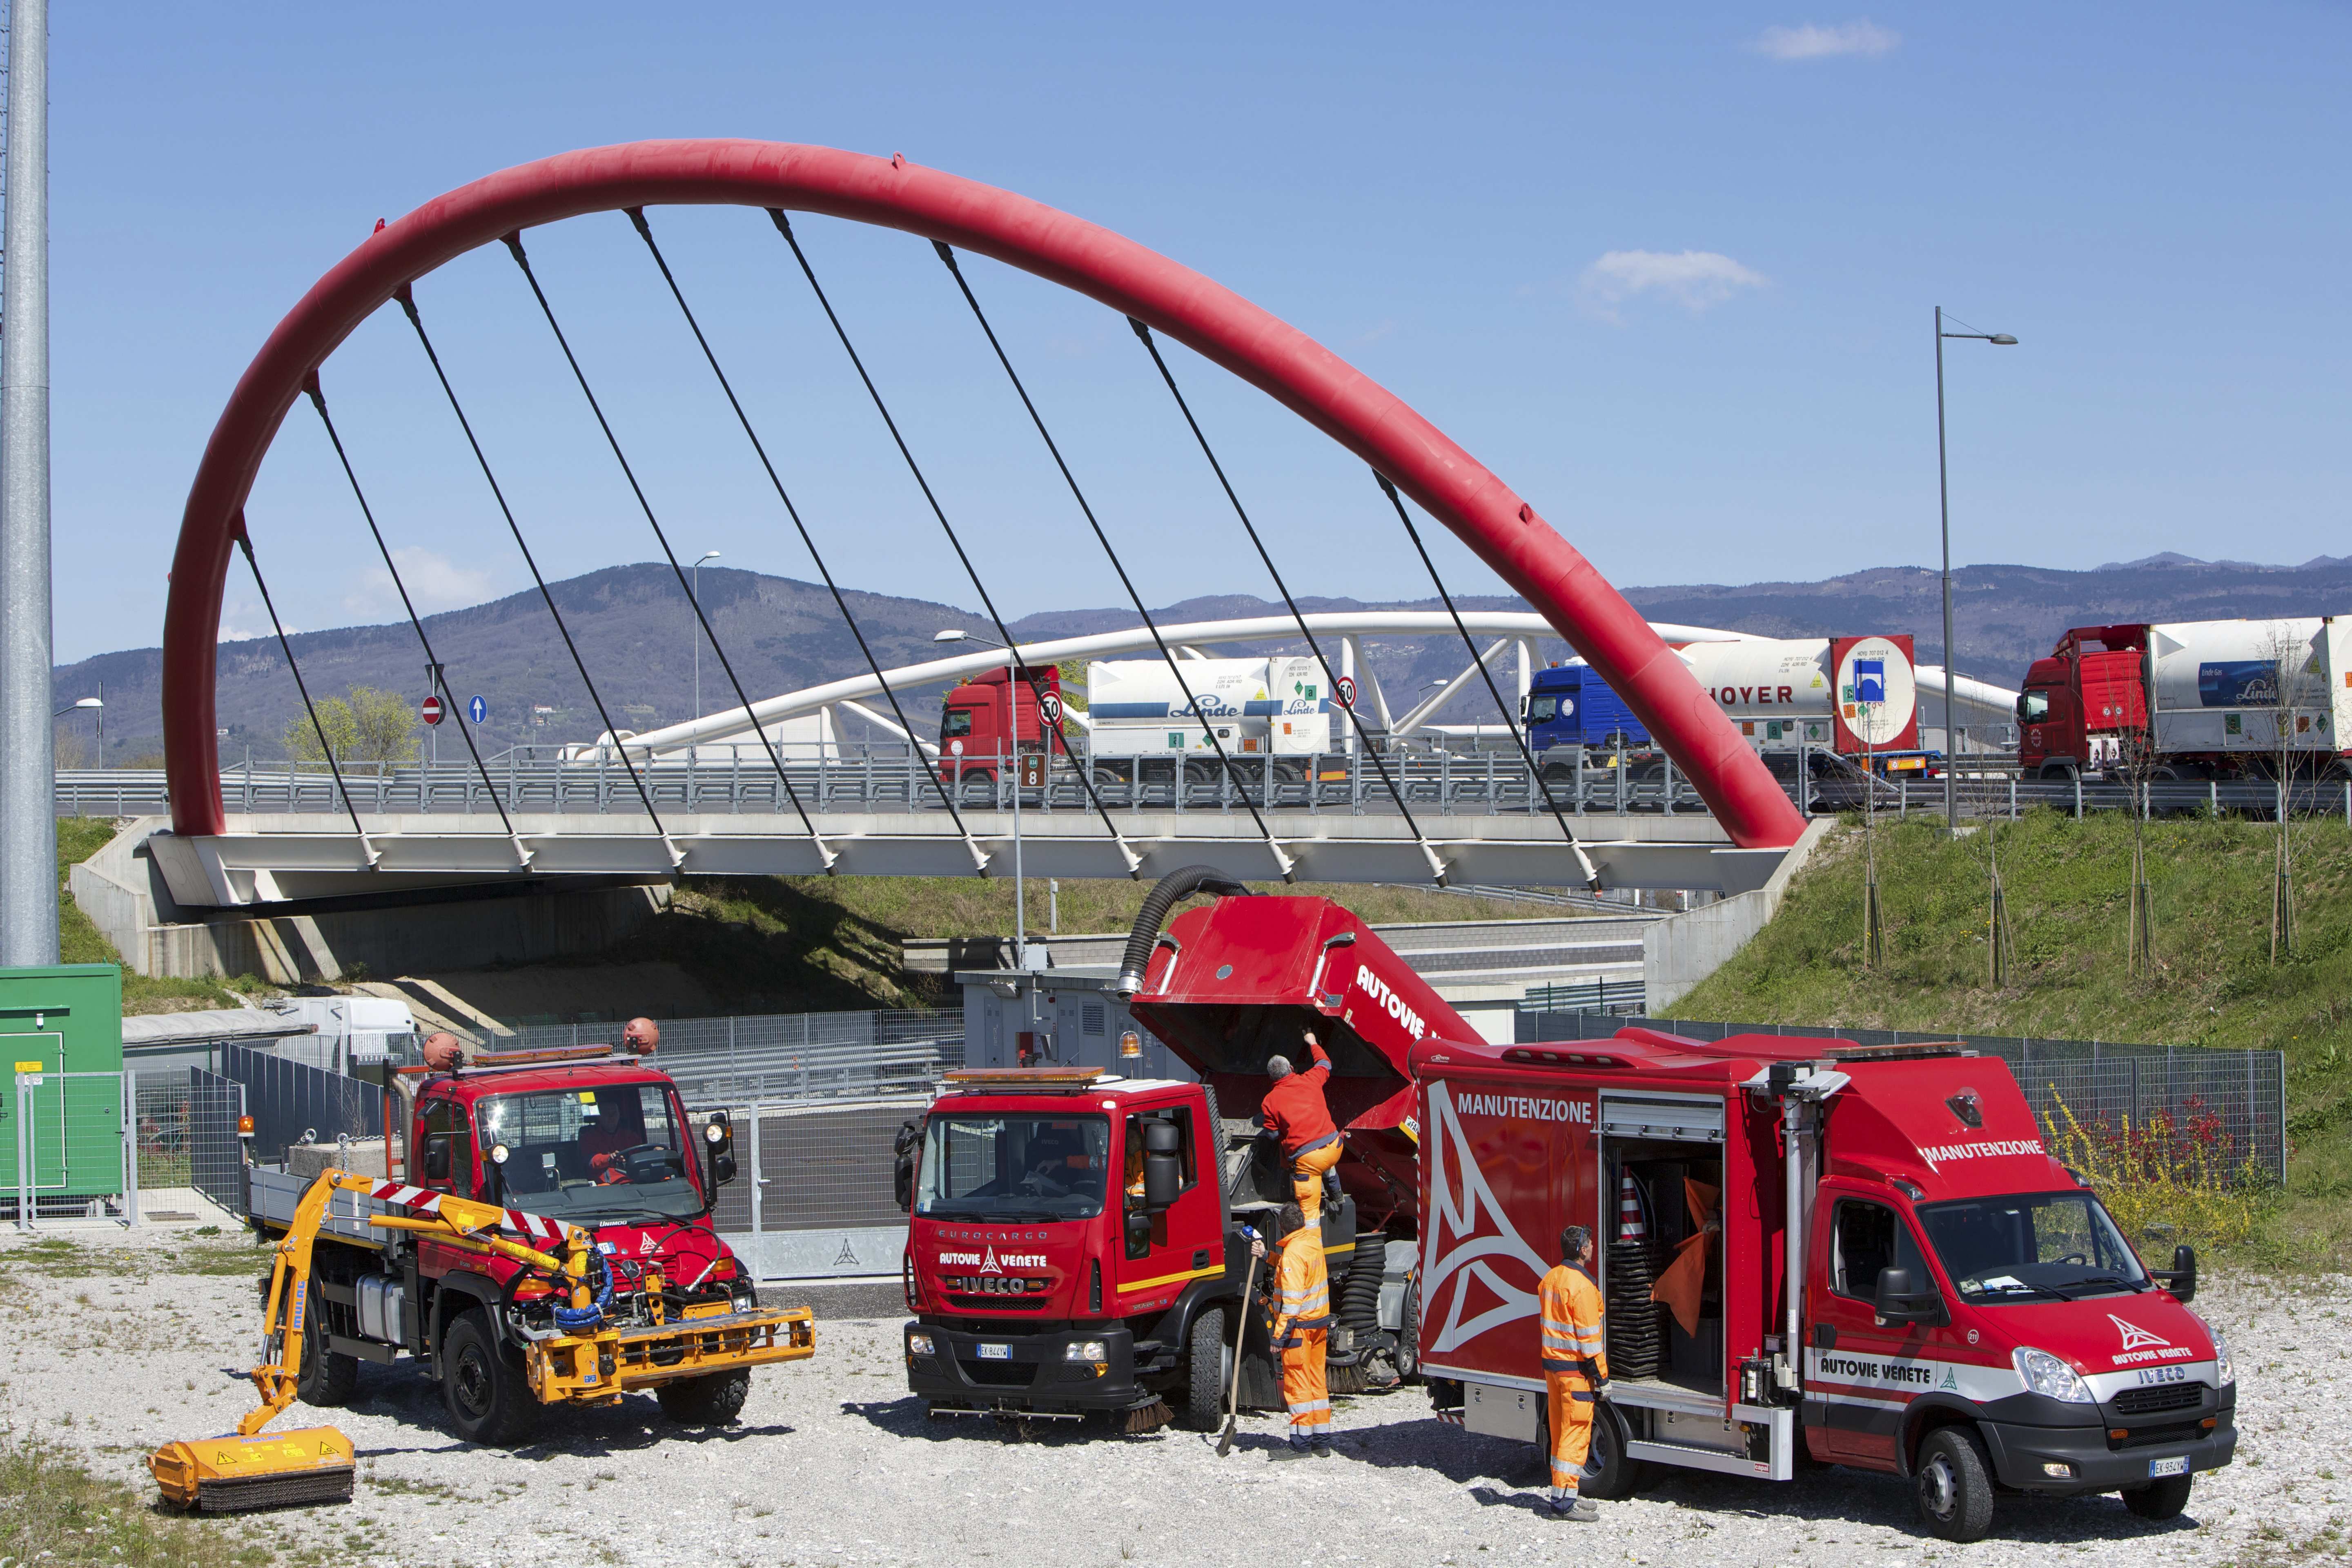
point(1667, 270)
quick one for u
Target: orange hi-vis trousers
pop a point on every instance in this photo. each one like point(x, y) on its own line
point(1307, 1179)
point(1304, 1390)
point(1568, 1400)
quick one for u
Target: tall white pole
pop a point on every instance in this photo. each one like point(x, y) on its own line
point(28, 844)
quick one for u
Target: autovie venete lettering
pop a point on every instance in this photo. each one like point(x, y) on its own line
point(1389, 1002)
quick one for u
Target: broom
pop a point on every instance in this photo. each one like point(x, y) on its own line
point(1241, 1337)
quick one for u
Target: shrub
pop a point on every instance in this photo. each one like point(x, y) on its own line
point(2171, 1178)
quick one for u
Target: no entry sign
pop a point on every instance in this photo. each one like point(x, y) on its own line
point(430, 709)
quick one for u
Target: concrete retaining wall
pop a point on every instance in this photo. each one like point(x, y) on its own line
point(125, 896)
point(1679, 952)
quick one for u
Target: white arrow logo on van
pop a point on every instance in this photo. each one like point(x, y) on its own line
point(2137, 1338)
point(989, 1266)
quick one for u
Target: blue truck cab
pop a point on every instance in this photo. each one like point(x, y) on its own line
point(1570, 705)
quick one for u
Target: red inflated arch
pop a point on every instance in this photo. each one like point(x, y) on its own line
point(891, 193)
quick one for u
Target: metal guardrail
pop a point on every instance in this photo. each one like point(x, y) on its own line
point(1623, 996)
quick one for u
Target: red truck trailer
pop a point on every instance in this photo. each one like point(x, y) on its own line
point(2206, 699)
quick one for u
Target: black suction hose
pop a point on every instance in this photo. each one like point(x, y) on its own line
point(1165, 895)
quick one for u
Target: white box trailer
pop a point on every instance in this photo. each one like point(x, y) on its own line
point(2226, 686)
point(1280, 707)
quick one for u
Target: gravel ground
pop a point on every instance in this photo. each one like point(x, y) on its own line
point(121, 1342)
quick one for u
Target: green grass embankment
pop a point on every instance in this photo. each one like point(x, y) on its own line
point(2067, 886)
point(79, 941)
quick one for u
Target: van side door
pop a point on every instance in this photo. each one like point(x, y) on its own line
point(1862, 1374)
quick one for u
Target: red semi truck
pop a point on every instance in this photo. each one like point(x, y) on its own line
point(1965, 1314)
point(2207, 699)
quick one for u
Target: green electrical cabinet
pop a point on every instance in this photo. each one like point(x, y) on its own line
point(61, 1131)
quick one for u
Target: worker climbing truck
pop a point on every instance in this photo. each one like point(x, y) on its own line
point(1812, 1252)
point(553, 1145)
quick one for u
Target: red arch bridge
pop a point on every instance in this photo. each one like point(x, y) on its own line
point(650, 817)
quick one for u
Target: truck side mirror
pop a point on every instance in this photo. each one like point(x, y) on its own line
point(1897, 1301)
point(718, 1141)
point(902, 1173)
point(437, 1158)
point(1163, 1173)
point(2181, 1277)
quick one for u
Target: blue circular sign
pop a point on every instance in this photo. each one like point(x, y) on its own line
point(477, 709)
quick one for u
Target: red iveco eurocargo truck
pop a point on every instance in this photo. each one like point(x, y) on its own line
point(1965, 1314)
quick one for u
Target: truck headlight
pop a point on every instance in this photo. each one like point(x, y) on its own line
point(921, 1344)
point(2048, 1377)
point(2225, 1370)
point(1084, 1350)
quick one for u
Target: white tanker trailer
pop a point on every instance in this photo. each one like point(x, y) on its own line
point(1278, 707)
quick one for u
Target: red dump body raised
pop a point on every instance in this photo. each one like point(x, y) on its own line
point(1240, 980)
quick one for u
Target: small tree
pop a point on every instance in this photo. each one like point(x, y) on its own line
point(2295, 699)
point(2135, 763)
point(366, 726)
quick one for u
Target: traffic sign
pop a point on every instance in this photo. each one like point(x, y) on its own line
point(1344, 688)
point(477, 709)
point(430, 709)
point(1032, 770)
point(1050, 705)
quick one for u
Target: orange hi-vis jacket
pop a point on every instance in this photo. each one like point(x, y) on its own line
point(1294, 1109)
point(1303, 1287)
point(1571, 1308)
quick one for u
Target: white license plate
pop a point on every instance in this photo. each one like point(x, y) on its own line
point(2176, 1466)
point(1005, 1353)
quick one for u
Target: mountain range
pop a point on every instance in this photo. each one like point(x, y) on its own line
point(635, 631)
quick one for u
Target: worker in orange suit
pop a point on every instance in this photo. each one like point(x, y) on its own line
point(1575, 1368)
point(1302, 1327)
point(1294, 1112)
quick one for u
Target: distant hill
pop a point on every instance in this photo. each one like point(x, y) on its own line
point(637, 632)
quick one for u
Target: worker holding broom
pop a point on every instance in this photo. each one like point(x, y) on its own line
point(1575, 1368)
point(1302, 1328)
point(1294, 1112)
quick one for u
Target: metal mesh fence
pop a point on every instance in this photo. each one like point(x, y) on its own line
point(66, 1132)
point(785, 1056)
point(293, 1102)
point(2233, 1102)
point(813, 1167)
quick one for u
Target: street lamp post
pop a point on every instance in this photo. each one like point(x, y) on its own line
point(1944, 497)
point(96, 706)
point(706, 555)
point(1012, 675)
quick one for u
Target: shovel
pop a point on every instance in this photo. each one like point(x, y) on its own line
point(1241, 1337)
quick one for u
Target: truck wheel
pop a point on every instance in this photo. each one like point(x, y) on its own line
point(1609, 1475)
point(328, 1377)
point(2160, 1499)
point(1407, 1355)
point(711, 1401)
point(1952, 1488)
point(1204, 1368)
point(483, 1384)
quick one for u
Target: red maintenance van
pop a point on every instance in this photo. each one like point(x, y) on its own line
point(1964, 1313)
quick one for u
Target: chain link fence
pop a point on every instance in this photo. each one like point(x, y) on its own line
point(2236, 1100)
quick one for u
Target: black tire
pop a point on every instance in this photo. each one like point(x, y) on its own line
point(2058, 772)
point(2160, 1499)
point(1204, 1372)
point(1408, 1345)
point(328, 1377)
point(482, 1385)
point(1617, 1475)
point(1951, 1487)
point(711, 1401)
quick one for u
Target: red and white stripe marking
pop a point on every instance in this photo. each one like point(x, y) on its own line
point(427, 1201)
point(1629, 1211)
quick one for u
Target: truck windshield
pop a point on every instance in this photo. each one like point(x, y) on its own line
point(989, 1167)
point(2032, 707)
point(1542, 708)
point(605, 1153)
point(2021, 1248)
point(955, 723)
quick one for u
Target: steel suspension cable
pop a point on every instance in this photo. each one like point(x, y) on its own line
point(1036, 688)
point(1363, 738)
point(840, 601)
point(408, 305)
point(326, 746)
point(947, 254)
point(318, 402)
point(1511, 720)
point(514, 246)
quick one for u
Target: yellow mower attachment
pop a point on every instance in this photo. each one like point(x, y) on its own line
point(230, 1474)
